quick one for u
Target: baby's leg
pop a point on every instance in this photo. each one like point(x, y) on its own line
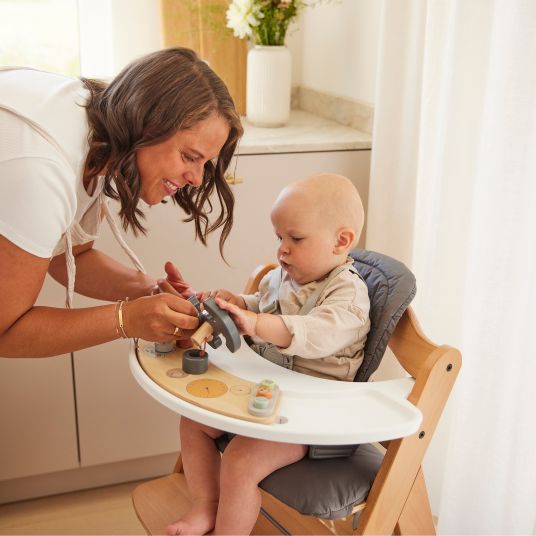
point(201, 462)
point(246, 461)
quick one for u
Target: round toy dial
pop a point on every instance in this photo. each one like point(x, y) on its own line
point(206, 388)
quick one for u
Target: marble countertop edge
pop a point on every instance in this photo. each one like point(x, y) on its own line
point(305, 132)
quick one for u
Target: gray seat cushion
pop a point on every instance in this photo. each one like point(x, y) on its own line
point(323, 488)
point(326, 488)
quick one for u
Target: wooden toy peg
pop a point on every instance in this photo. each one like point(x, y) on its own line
point(202, 333)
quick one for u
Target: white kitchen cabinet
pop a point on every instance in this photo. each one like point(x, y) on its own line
point(116, 419)
point(37, 411)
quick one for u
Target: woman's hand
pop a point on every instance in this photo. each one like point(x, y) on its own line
point(154, 318)
point(165, 286)
point(222, 294)
point(175, 279)
point(245, 320)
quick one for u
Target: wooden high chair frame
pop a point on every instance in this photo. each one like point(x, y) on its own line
point(398, 500)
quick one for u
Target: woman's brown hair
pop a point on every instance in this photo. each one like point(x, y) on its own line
point(146, 103)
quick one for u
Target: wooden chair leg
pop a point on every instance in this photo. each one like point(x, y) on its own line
point(416, 516)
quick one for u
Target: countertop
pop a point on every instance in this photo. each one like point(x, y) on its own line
point(305, 132)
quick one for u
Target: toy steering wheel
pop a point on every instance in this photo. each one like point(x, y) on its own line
point(214, 321)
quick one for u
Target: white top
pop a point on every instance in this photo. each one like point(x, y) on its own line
point(44, 207)
point(43, 147)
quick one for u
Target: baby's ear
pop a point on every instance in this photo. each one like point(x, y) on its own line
point(345, 240)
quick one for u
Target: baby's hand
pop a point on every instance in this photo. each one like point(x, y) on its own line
point(222, 294)
point(245, 320)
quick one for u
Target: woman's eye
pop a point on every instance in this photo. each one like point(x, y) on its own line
point(188, 158)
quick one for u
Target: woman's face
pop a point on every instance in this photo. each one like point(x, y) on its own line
point(180, 160)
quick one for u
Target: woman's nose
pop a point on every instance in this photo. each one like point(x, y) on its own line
point(195, 176)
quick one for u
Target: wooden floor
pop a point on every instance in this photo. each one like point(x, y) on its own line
point(99, 511)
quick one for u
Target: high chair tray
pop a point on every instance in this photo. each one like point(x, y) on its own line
point(311, 410)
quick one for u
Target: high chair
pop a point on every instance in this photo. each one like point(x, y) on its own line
point(380, 489)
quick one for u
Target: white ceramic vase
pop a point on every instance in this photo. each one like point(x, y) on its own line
point(268, 86)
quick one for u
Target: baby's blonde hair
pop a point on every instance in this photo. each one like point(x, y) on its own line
point(334, 198)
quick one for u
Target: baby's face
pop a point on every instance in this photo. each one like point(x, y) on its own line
point(306, 246)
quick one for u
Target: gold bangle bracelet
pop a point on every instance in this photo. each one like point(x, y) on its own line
point(117, 319)
point(120, 320)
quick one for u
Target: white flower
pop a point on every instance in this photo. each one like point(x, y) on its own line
point(242, 16)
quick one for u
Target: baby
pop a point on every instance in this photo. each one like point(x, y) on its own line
point(310, 315)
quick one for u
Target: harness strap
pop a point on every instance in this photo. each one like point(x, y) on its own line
point(273, 291)
point(275, 283)
point(313, 297)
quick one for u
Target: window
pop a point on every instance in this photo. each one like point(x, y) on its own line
point(40, 33)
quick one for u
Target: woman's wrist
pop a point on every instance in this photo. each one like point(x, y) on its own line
point(120, 318)
point(143, 285)
point(149, 287)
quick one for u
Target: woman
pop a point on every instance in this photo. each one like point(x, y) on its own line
point(165, 126)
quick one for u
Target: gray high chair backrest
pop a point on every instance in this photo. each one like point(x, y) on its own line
point(391, 287)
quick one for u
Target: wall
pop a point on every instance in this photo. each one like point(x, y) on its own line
point(114, 32)
point(334, 44)
point(335, 48)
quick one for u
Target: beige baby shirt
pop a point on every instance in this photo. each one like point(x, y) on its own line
point(327, 342)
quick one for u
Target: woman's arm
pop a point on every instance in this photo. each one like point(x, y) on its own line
point(29, 331)
point(101, 277)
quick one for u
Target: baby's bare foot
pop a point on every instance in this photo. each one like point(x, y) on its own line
point(200, 519)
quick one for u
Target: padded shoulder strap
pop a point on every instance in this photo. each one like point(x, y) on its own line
point(273, 291)
point(313, 297)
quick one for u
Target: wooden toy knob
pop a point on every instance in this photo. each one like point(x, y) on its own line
point(202, 333)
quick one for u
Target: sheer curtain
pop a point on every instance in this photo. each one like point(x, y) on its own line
point(453, 195)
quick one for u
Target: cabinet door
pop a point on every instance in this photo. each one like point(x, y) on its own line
point(117, 420)
point(37, 416)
